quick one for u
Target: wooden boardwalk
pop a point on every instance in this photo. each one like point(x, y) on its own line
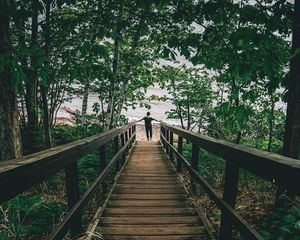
point(148, 201)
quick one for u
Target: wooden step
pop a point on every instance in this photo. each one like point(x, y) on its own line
point(165, 237)
point(148, 197)
point(148, 186)
point(170, 211)
point(145, 182)
point(147, 203)
point(152, 220)
point(151, 231)
point(150, 175)
point(148, 178)
point(148, 190)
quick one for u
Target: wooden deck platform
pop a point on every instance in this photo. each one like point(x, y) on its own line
point(148, 201)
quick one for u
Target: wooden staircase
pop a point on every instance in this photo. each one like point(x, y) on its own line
point(148, 201)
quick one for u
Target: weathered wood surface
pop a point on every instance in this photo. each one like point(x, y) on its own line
point(283, 171)
point(20, 174)
point(149, 202)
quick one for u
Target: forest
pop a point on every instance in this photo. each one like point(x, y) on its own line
point(231, 69)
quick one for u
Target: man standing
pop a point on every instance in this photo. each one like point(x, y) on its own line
point(148, 125)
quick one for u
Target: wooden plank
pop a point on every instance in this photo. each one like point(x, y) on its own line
point(147, 203)
point(149, 211)
point(153, 220)
point(141, 177)
point(165, 237)
point(151, 231)
point(156, 181)
point(148, 186)
point(150, 175)
point(147, 190)
point(148, 196)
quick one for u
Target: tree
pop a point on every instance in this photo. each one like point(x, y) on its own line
point(191, 93)
point(292, 125)
point(10, 141)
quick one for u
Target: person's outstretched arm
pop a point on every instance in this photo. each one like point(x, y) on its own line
point(155, 120)
point(140, 120)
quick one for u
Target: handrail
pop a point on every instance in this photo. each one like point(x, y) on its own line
point(282, 171)
point(18, 175)
point(236, 157)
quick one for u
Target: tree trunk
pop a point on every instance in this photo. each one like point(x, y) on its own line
point(291, 146)
point(85, 102)
point(188, 117)
point(239, 133)
point(129, 64)
point(46, 118)
point(31, 85)
point(10, 140)
point(115, 66)
point(271, 120)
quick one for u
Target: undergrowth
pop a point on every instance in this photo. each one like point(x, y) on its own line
point(35, 213)
point(255, 201)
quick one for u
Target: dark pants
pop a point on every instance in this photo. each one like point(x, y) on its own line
point(149, 132)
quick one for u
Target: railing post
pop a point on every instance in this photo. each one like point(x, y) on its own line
point(73, 195)
point(103, 164)
point(126, 140)
point(194, 165)
point(179, 149)
point(134, 132)
point(122, 145)
point(116, 150)
point(160, 134)
point(229, 196)
point(170, 149)
point(163, 133)
point(130, 134)
point(167, 144)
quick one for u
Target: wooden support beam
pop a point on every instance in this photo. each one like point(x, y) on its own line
point(229, 196)
point(116, 150)
point(179, 149)
point(194, 165)
point(122, 144)
point(172, 143)
point(168, 141)
point(126, 140)
point(103, 165)
point(73, 195)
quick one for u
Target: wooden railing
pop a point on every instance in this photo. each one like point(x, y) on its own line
point(16, 176)
point(280, 170)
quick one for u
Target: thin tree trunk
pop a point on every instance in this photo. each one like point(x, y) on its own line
point(239, 133)
point(10, 139)
point(188, 117)
point(180, 116)
point(130, 63)
point(115, 66)
point(85, 102)
point(31, 85)
point(271, 120)
point(46, 119)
